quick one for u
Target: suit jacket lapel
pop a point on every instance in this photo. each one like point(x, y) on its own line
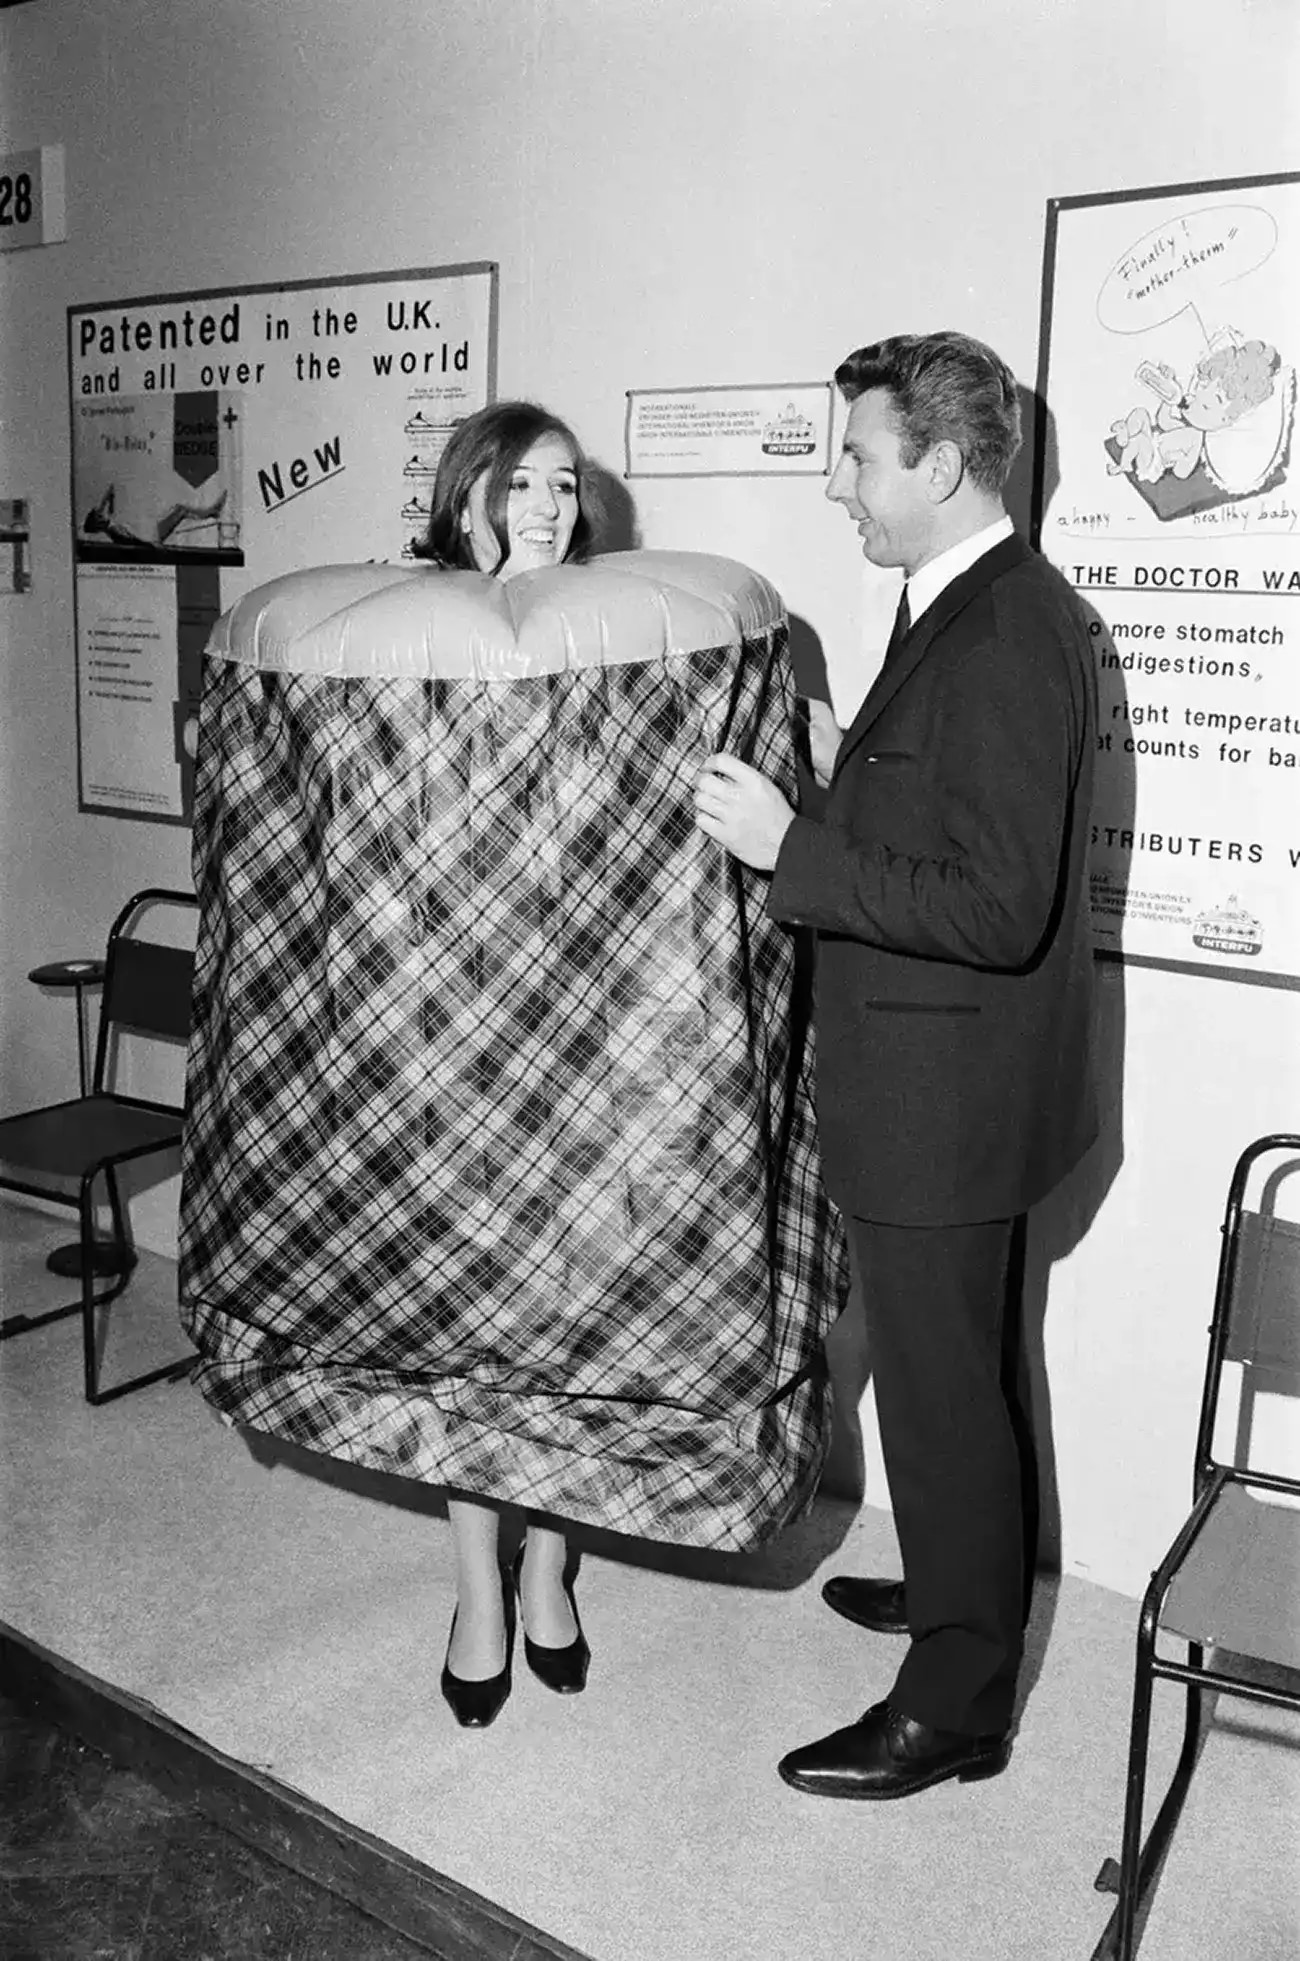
point(1006, 553)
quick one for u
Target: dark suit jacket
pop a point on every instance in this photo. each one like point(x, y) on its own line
point(947, 880)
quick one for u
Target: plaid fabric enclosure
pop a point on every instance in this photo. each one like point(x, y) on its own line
point(500, 1168)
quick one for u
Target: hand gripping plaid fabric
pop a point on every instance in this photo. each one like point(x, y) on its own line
point(500, 1169)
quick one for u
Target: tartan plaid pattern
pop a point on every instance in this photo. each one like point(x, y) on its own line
point(500, 1168)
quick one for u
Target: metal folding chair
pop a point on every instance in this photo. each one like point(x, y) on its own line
point(62, 1151)
point(1230, 1582)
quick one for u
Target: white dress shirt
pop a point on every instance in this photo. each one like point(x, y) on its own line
point(924, 587)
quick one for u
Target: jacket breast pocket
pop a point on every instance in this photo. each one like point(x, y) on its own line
point(886, 760)
point(882, 1007)
point(887, 795)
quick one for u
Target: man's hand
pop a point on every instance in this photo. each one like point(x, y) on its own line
point(742, 810)
point(824, 734)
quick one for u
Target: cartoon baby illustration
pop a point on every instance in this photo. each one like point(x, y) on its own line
point(1225, 384)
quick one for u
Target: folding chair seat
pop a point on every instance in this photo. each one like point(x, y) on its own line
point(1230, 1582)
point(62, 1151)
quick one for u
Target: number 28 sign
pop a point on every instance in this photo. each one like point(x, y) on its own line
point(31, 197)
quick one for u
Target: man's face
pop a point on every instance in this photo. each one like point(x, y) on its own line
point(890, 505)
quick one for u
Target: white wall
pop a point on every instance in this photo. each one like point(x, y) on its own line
point(677, 191)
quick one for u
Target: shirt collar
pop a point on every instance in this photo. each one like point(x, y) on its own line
point(924, 587)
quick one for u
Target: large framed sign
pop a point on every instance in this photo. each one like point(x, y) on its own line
point(221, 438)
point(1166, 490)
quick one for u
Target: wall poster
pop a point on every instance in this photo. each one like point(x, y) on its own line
point(220, 439)
point(780, 429)
point(1167, 487)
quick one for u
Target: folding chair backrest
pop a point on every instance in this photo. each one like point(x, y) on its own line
point(1264, 1317)
point(1257, 1300)
point(147, 988)
point(146, 983)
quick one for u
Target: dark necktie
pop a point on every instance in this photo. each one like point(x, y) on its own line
point(902, 627)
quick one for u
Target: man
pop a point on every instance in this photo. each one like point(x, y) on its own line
point(947, 883)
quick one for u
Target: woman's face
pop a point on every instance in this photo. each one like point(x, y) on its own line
point(541, 511)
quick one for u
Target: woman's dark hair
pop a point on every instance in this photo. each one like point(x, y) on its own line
point(491, 443)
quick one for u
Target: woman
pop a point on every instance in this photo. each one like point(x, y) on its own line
point(508, 498)
point(515, 1193)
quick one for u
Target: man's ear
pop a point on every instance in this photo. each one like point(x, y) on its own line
point(466, 523)
point(947, 468)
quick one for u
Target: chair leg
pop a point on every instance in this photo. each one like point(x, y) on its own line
point(90, 1300)
point(88, 1270)
point(21, 1324)
point(1134, 1793)
point(169, 1372)
point(89, 1345)
point(1135, 1874)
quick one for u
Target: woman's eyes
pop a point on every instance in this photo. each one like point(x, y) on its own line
point(562, 486)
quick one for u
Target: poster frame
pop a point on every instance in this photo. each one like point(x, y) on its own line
point(488, 268)
point(1193, 187)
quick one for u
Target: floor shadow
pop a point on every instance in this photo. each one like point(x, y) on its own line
point(787, 1562)
point(791, 1558)
point(406, 1494)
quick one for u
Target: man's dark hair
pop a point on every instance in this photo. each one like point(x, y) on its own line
point(943, 387)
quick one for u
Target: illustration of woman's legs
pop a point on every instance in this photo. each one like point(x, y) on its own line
point(100, 516)
point(188, 514)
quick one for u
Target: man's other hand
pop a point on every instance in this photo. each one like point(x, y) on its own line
point(824, 734)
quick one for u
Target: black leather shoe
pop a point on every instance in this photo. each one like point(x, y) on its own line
point(476, 1704)
point(562, 1669)
point(880, 1605)
point(889, 1755)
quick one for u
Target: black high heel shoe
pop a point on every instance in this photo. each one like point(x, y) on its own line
point(561, 1669)
point(476, 1704)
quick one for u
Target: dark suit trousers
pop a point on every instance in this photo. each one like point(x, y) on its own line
point(935, 1304)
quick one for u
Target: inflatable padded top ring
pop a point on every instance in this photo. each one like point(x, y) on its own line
point(426, 623)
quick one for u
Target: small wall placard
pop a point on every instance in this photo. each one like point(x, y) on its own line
point(32, 208)
point(722, 430)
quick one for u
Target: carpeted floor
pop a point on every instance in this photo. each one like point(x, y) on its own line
point(295, 1619)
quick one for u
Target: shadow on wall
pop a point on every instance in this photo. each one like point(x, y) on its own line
point(808, 661)
point(611, 511)
point(1058, 1225)
point(1037, 456)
